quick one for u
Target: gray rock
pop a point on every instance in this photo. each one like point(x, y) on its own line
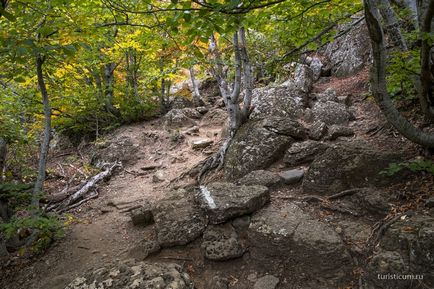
point(217, 282)
point(176, 118)
point(292, 176)
point(131, 274)
point(146, 247)
point(285, 100)
point(260, 177)
point(286, 236)
point(336, 131)
point(345, 166)
point(351, 52)
point(121, 148)
point(328, 95)
point(178, 220)
point(260, 143)
point(406, 249)
point(355, 231)
point(368, 201)
point(266, 282)
point(224, 201)
point(345, 99)
point(316, 67)
point(331, 112)
point(179, 102)
point(215, 117)
point(304, 152)
point(241, 223)
point(142, 216)
point(202, 109)
point(193, 130)
point(201, 144)
point(430, 202)
point(303, 78)
point(158, 177)
point(317, 130)
point(221, 243)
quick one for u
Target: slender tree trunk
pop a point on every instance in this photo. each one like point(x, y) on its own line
point(197, 99)
point(392, 24)
point(45, 145)
point(131, 68)
point(378, 79)
point(426, 96)
point(248, 79)
point(109, 81)
point(3, 156)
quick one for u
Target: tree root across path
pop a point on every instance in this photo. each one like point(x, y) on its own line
point(85, 192)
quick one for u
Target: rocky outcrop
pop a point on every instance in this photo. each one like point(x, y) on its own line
point(121, 149)
point(344, 166)
point(221, 242)
point(293, 237)
point(405, 256)
point(350, 52)
point(181, 117)
point(130, 275)
point(215, 117)
point(304, 152)
point(178, 220)
point(224, 201)
point(367, 201)
point(259, 143)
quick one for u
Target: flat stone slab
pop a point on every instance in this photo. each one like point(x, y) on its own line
point(224, 201)
point(292, 176)
point(178, 220)
point(201, 144)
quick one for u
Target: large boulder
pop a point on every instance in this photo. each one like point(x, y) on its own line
point(285, 100)
point(129, 275)
point(310, 251)
point(180, 102)
point(121, 148)
point(215, 117)
point(178, 219)
point(225, 201)
point(405, 256)
point(331, 112)
point(304, 152)
point(176, 118)
point(259, 143)
point(221, 243)
point(350, 52)
point(303, 78)
point(345, 166)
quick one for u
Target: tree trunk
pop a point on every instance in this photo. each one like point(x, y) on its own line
point(426, 96)
point(392, 24)
point(3, 156)
point(131, 68)
point(197, 99)
point(411, 6)
point(378, 79)
point(109, 80)
point(45, 145)
point(248, 79)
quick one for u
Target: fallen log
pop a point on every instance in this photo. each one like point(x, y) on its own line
point(79, 195)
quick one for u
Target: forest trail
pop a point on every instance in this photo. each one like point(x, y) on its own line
point(100, 232)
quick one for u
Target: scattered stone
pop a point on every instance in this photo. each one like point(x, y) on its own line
point(303, 78)
point(201, 144)
point(266, 282)
point(130, 274)
point(176, 118)
point(241, 223)
point(328, 95)
point(294, 237)
point(193, 130)
point(317, 130)
point(261, 178)
point(221, 243)
point(142, 216)
point(304, 152)
point(217, 282)
point(292, 176)
point(316, 67)
point(202, 109)
point(158, 177)
point(260, 143)
point(346, 166)
point(430, 202)
point(178, 220)
point(224, 201)
point(336, 131)
point(331, 112)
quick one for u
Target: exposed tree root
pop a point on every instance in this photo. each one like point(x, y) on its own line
point(214, 162)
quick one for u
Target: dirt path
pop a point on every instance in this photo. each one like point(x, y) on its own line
point(100, 232)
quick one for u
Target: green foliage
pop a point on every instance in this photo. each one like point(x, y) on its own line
point(402, 69)
point(418, 165)
point(36, 230)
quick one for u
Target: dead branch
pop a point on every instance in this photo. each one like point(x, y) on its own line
point(90, 197)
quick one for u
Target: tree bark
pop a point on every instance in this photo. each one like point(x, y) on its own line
point(248, 79)
point(411, 6)
point(132, 69)
point(3, 156)
point(109, 80)
point(378, 79)
point(426, 96)
point(392, 24)
point(45, 145)
point(197, 98)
